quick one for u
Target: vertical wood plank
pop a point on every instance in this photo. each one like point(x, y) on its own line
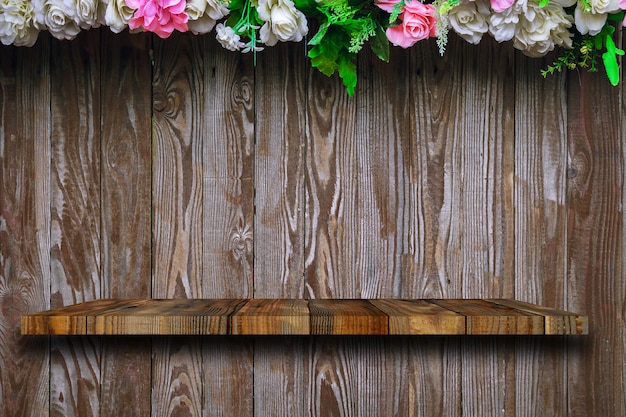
point(24, 225)
point(126, 218)
point(330, 238)
point(540, 225)
point(228, 215)
point(330, 190)
point(485, 236)
point(280, 373)
point(595, 272)
point(469, 158)
point(75, 216)
point(434, 381)
point(178, 104)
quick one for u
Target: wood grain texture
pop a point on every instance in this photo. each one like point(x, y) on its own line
point(434, 370)
point(595, 242)
point(541, 172)
point(24, 225)
point(280, 100)
point(420, 317)
point(280, 316)
point(75, 216)
point(125, 199)
point(228, 219)
point(482, 234)
point(272, 316)
point(177, 201)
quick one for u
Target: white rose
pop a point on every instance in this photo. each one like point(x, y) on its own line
point(203, 14)
point(57, 17)
point(86, 15)
point(283, 22)
point(17, 23)
point(227, 37)
point(469, 19)
point(591, 20)
point(541, 28)
point(502, 25)
point(117, 14)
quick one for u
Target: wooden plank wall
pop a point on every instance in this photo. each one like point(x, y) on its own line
point(136, 167)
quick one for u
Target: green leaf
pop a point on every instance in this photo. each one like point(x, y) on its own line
point(320, 34)
point(544, 3)
point(609, 58)
point(380, 44)
point(347, 72)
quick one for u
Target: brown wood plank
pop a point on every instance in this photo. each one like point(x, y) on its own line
point(126, 85)
point(167, 317)
point(358, 317)
point(66, 320)
point(296, 316)
point(484, 317)
point(228, 123)
point(178, 202)
point(272, 317)
point(24, 225)
point(410, 317)
point(556, 321)
point(280, 364)
point(595, 244)
point(541, 170)
point(75, 217)
point(434, 371)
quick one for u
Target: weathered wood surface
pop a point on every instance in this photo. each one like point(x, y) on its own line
point(463, 176)
point(282, 316)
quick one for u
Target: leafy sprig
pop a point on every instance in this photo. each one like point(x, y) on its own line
point(587, 51)
point(344, 27)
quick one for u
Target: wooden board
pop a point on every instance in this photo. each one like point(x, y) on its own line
point(303, 317)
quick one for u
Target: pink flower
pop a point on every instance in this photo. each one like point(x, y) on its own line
point(418, 22)
point(499, 6)
point(386, 5)
point(159, 16)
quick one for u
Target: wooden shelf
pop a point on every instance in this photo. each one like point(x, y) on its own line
point(304, 317)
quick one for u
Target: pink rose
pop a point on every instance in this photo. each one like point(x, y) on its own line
point(386, 5)
point(499, 6)
point(418, 22)
point(159, 16)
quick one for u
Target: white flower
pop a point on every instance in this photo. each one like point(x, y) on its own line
point(227, 37)
point(86, 13)
point(283, 22)
point(502, 25)
point(57, 17)
point(116, 14)
point(541, 28)
point(203, 14)
point(591, 20)
point(17, 23)
point(469, 19)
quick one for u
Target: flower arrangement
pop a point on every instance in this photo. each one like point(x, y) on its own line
point(584, 29)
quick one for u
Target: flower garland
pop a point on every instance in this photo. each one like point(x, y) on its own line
point(584, 29)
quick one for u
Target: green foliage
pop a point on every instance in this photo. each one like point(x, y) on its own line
point(345, 26)
point(587, 50)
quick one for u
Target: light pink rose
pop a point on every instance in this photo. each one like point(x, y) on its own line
point(387, 5)
point(159, 16)
point(418, 22)
point(499, 6)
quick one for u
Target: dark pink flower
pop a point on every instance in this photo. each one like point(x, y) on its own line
point(418, 22)
point(159, 16)
point(386, 5)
